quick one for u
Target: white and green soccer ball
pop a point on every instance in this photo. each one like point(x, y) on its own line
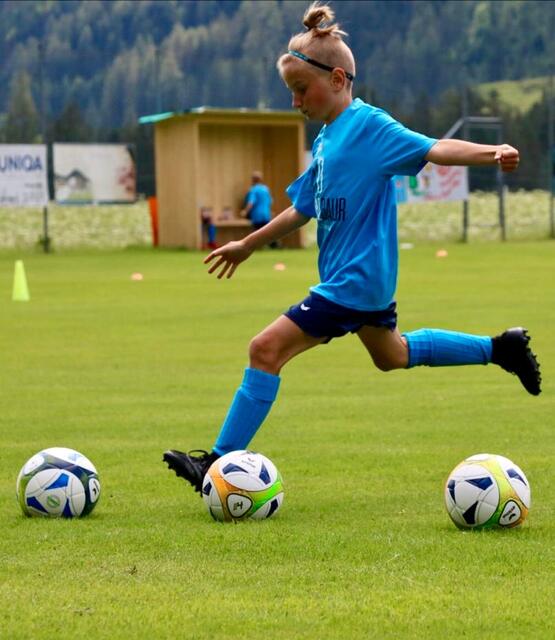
point(486, 491)
point(242, 485)
point(58, 482)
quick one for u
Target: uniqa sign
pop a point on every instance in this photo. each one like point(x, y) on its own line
point(25, 163)
point(23, 175)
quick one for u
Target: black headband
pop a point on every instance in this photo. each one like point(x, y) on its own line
point(320, 65)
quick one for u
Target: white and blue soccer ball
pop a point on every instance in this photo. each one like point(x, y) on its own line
point(486, 491)
point(242, 485)
point(58, 482)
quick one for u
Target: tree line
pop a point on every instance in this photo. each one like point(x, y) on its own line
point(85, 71)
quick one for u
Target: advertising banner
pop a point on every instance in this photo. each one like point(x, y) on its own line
point(434, 183)
point(23, 175)
point(94, 173)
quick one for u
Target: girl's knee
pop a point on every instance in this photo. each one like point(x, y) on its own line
point(263, 354)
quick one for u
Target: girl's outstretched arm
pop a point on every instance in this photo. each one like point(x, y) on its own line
point(450, 151)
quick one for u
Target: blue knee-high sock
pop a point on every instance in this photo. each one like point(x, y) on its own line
point(439, 348)
point(251, 404)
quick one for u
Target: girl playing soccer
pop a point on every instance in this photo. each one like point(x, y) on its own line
point(349, 189)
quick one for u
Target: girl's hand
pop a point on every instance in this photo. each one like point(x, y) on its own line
point(229, 257)
point(507, 157)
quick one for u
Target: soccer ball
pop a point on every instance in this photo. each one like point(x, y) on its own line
point(58, 482)
point(241, 485)
point(487, 491)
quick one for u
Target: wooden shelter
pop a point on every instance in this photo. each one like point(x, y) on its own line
point(204, 160)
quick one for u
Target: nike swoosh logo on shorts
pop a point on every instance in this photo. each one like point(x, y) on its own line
point(304, 307)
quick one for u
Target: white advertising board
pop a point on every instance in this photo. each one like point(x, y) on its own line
point(432, 184)
point(23, 175)
point(85, 173)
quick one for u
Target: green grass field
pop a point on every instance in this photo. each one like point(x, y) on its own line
point(362, 548)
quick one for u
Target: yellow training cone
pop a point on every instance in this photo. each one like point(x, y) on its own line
point(20, 288)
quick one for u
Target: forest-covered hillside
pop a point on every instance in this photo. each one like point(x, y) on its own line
point(82, 70)
point(120, 59)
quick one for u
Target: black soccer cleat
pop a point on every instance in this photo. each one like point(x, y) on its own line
point(510, 351)
point(191, 468)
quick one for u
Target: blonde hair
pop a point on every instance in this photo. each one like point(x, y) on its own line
point(322, 40)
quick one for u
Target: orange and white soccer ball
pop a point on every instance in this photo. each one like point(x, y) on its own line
point(241, 485)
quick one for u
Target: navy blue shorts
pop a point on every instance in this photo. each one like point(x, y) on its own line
point(319, 317)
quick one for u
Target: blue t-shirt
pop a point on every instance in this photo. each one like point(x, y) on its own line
point(349, 189)
point(260, 198)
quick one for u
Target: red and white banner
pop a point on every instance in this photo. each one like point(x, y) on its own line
point(433, 183)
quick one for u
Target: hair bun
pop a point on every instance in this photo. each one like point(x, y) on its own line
point(318, 17)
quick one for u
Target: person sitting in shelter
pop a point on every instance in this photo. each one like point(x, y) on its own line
point(258, 204)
